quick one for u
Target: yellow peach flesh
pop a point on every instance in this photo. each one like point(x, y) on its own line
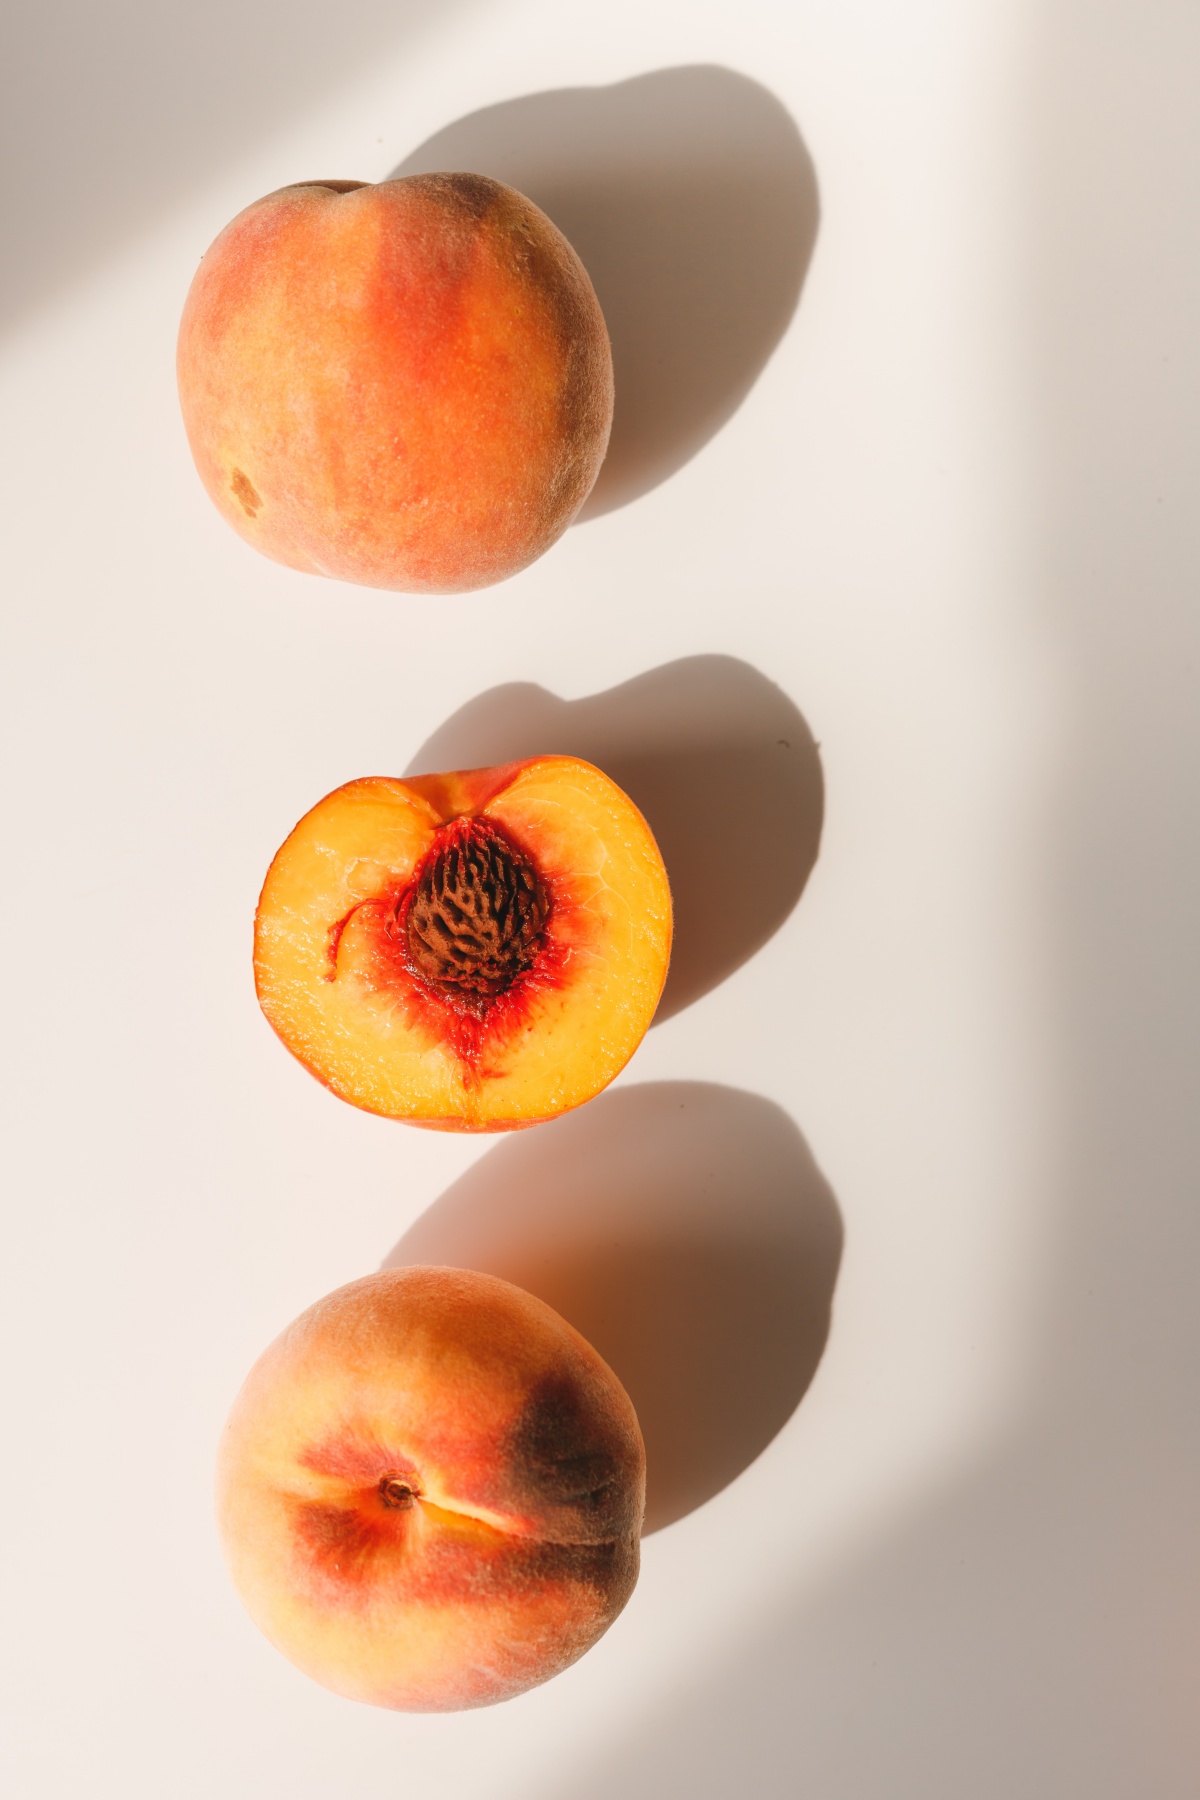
point(378, 1042)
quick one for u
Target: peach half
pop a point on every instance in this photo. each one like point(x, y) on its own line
point(407, 385)
point(430, 1491)
point(475, 951)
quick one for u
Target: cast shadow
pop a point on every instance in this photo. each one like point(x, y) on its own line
point(686, 1231)
point(722, 765)
point(692, 201)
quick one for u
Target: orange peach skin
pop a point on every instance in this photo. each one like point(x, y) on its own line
point(406, 385)
point(359, 1024)
point(523, 1464)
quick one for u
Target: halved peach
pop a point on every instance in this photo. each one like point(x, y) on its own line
point(430, 1491)
point(475, 951)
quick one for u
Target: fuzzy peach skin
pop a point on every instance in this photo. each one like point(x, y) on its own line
point(334, 958)
point(430, 1491)
point(406, 385)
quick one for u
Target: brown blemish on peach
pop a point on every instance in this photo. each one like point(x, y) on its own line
point(476, 194)
point(245, 491)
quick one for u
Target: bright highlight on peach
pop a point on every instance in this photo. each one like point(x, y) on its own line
point(430, 1491)
point(406, 385)
point(475, 951)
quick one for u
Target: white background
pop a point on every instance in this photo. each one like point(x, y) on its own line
point(955, 521)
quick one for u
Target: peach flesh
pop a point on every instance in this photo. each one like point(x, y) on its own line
point(406, 385)
point(475, 951)
point(430, 1491)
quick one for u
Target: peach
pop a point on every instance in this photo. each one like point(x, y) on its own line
point(475, 951)
point(430, 1491)
point(407, 385)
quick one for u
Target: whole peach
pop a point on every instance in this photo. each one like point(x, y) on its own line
point(407, 385)
point(430, 1491)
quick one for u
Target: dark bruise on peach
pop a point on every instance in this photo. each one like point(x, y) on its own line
point(568, 1471)
point(464, 944)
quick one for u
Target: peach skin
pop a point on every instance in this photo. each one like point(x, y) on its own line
point(473, 952)
point(406, 385)
point(430, 1491)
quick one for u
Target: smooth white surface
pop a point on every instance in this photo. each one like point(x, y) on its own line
point(955, 521)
